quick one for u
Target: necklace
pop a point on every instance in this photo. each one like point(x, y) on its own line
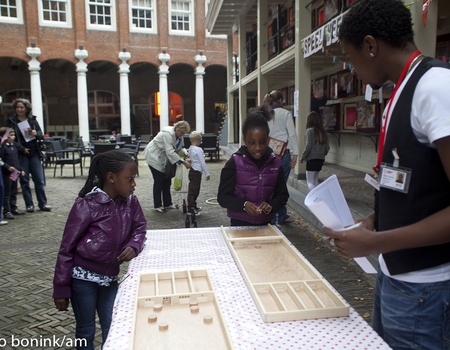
point(413, 63)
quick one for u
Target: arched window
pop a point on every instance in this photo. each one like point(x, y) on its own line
point(10, 96)
point(175, 110)
point(104, 111)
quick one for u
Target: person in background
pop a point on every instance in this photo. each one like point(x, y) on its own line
point(195, 174)
point(164, 149)
point(31, 154)
point(2, 222)
point(216, 117)
point(252, 185)
point(105, 227)
point(11, 167)
point(316, 148)
point(282, 129)
point(412, 237)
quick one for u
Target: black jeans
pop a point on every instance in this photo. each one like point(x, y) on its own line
point(161, 185)
point(10, 198)
point(195, 180)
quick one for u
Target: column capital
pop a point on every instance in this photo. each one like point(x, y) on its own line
point(124, 68)
point(163, 68)
point(124, 56)
point(81, 54)
point(34, 65)
point(200, 59)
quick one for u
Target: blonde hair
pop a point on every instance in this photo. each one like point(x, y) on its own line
point(195, 135)
point(274, 95)
point(183, 126)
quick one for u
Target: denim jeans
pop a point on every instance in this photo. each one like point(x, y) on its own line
point(86, 298)
point(412, 315)
point(282, 213)
point(1, 196)
point(33, 165)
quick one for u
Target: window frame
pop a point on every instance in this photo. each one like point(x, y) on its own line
point(14, 20)
point(154, 29)
point(191, 31)
point(102, 27)
point(58, 24)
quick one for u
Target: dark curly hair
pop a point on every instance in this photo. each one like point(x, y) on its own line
point(387, 20)
point(257, 117)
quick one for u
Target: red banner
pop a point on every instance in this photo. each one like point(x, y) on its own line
point(425, 5)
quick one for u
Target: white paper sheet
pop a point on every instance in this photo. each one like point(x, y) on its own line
point(25, 130)
point(328, 204)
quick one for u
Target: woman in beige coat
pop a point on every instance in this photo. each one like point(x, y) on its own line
point(163, 149)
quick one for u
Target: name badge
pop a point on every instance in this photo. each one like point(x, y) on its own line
point(395, 178)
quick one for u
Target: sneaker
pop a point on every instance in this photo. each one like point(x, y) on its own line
point(8, 215)
point(173, 206)
point(46, 208)
point(161, 210)
point(3, 222)
point(193, 212)
point(30, 209)
point(18, 212)
point(198, 208)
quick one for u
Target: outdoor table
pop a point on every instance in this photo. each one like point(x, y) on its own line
point(205, 248)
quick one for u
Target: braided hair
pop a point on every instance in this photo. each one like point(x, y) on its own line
point(103, 163)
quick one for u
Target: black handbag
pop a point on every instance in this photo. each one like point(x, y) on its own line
point(170, 170)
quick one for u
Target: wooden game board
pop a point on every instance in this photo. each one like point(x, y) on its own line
point(186, 310)
point(284, 286)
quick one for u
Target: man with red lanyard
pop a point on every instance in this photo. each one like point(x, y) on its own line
point(412, 206)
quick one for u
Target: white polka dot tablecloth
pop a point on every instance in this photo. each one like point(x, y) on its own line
point(205, 248)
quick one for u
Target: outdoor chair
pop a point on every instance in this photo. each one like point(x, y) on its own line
point(144, 143)
point(60, 158)
point(210, 145)
point(103, 147)
point(133, 152)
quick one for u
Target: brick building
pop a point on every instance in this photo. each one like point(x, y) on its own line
point(103, 65)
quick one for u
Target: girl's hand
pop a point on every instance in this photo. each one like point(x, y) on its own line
point(62, 304)
point(251, 209)
point(265, 208)
point(11, 169)
point(207, 178)
point(127, 254)
point(33, 133)
point(187, 165)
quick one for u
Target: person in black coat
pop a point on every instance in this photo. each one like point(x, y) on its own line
point(31, 153)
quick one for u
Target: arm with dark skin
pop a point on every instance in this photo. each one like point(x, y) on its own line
point(433, 230)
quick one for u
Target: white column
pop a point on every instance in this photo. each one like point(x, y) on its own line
point(163, 90)
point(124, 69)
point(199, 94)
point(35, 81)
point(82, 95)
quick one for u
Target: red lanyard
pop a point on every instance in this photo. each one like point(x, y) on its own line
point(391, 100)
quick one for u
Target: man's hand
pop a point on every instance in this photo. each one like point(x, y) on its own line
point(207, 178)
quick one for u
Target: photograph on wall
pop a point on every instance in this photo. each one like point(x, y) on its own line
point(349, 116)
point(367, 116)
point(346, 84)
point(320, 87)
point(288, 38)
point(284, 92)
point(334, 87)
point(331, 9)
point(330, 117)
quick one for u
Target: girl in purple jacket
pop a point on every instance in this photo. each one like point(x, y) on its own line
point(252, 187)
point(105, 227)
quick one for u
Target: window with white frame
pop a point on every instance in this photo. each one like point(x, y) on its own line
point(143, 16)
point(101, 14)
point(208, 34)
point(55, 13)
point(181, 17)
point(11, 11)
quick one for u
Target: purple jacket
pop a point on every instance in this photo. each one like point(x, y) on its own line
point(97, 231)
point(255, 185)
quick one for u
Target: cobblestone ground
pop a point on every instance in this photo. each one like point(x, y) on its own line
point(29, 245)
